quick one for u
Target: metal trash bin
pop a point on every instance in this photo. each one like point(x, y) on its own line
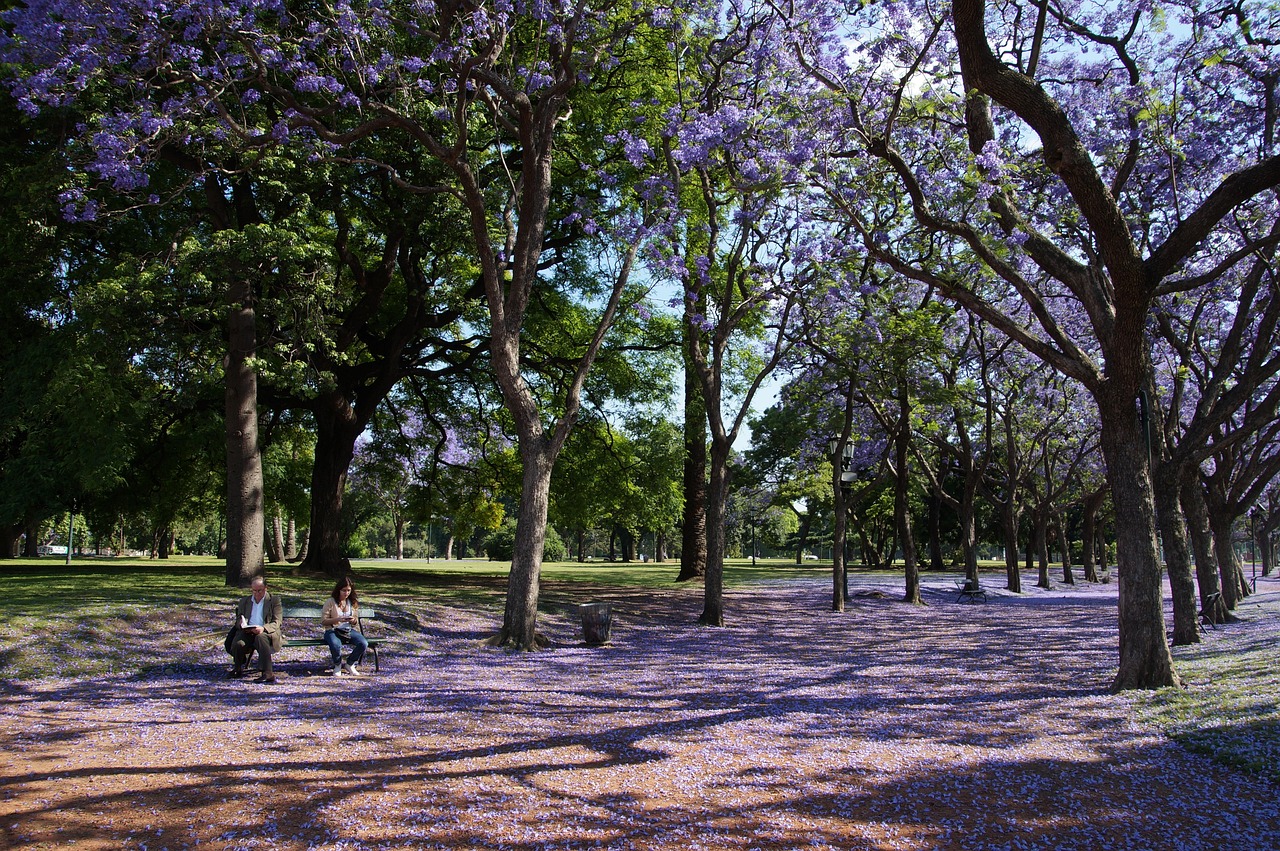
point(596, 618)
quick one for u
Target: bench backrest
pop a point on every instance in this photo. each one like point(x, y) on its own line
point(315, 612)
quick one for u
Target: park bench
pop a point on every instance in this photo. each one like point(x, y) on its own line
point(970, 592)
point(313, 613)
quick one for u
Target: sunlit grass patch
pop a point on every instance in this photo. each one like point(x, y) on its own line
point(1230, 708)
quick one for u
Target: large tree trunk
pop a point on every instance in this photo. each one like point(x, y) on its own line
point(1064, 541)
point(628, 542)
point(1262, 540)
point(1009, 523)
point(901, 501)
point(838, 568)
point(1222, 523)
point(302, 553)
point(164, 542)
point(717, 496)
point(1040, 534)
point(520, 619)
point(936, 559)
point(245, 520)
point(693, 545)
point(1092, 504)
point(31, 545)
point(1177, 555)
point(1197, 519)
point(969, 525)
point(870, 555)
point(1103, 555)
point(802, 536)
point(275, 541)
point(9, 536)
point(337, 429)
point(1145, 661)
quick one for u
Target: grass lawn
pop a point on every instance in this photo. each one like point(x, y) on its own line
point(1230, 708)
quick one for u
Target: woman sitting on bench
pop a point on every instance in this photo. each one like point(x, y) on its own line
point(341, 620)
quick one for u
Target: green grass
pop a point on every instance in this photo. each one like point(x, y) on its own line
point(1230, 707)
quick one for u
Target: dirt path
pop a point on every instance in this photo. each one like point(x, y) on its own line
point(889, 727)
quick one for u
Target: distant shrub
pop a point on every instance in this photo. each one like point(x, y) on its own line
point(500, 545)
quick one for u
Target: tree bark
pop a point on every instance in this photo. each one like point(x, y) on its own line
point(1197, 519)
point(520, 619)
point(9, 536)
point(1009, 523)
point(1064, 541)
point(275, 541)
point(693, 545)
point(1177, 556)
point(628, 542)
point(1145, 661)
point(1091, 505)
point(840, 570)
point(1040, 534)
point(901, 501)
point(936, 559)
point(1222, 524)
point(717, 496)
point(337, 428)
point(969, 524)
point(245, 519)
point(802, 536)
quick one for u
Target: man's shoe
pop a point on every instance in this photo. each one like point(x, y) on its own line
point(237, 672)
point(271, 680)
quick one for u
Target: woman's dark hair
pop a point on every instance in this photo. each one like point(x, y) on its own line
point(345, 582)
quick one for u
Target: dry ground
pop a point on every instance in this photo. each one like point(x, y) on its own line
point(888, 727)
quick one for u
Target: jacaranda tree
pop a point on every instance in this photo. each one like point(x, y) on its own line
point(1107, 156)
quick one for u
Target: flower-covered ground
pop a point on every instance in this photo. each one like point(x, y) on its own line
point(890, 726)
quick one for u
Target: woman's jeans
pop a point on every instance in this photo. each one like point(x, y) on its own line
point(358, 643)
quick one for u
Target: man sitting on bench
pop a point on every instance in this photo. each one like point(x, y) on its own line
point(257, 627)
